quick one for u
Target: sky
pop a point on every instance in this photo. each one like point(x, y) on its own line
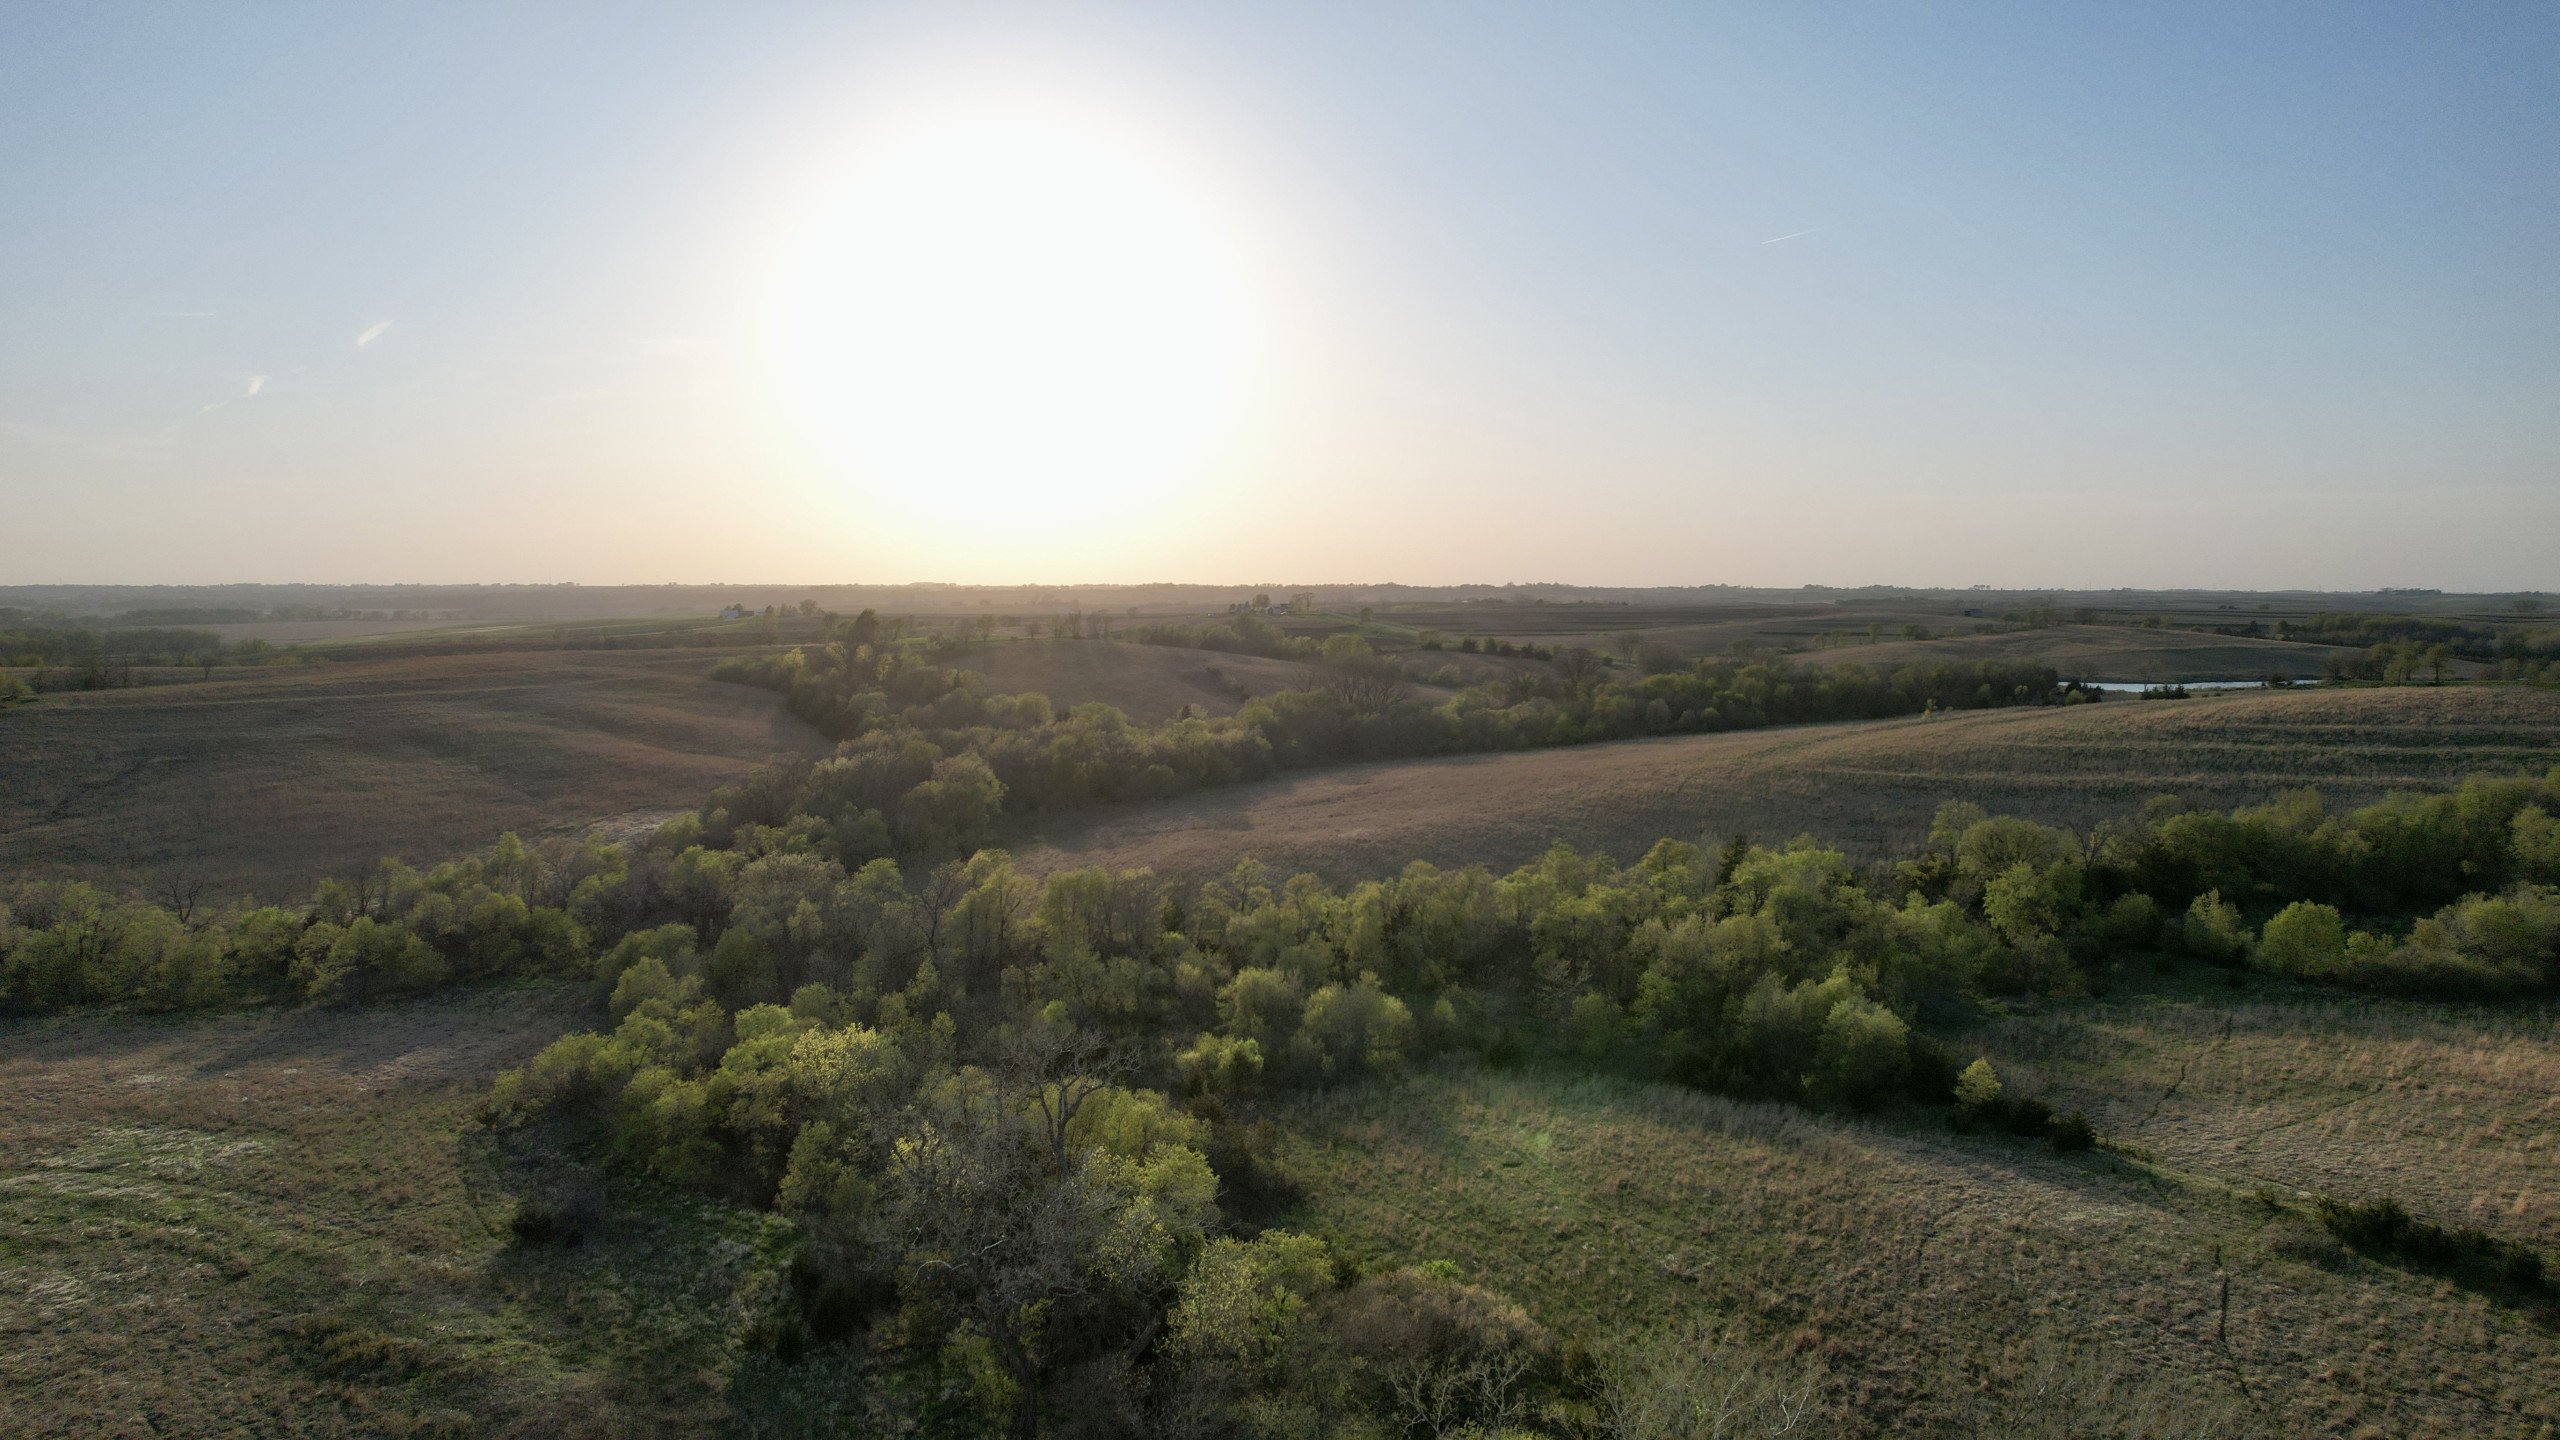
point(2258, 296)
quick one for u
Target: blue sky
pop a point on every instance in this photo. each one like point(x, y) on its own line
point(2232, 295)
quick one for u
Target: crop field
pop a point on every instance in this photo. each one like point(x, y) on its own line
point(1868, 786)
point(269, 779)
point(1150, 683)
point(1925, 1282)
point(276, 1224)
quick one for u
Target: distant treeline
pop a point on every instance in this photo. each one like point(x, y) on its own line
point(29, 646)
point(76, 656)
point(927, 760)
point(2399, 648)
point(172, 615)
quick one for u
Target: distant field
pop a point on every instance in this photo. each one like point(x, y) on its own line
point(1870, 786)
point(1936, 1278)
point(273, 778)
point(1814, 635)
point(301, 632)
point(1148, 682)
point(2110, 652)
point(273, 1224)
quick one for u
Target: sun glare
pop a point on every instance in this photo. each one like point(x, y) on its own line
point(1023, 316)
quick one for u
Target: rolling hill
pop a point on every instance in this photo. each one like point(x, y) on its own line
point(1869, 786)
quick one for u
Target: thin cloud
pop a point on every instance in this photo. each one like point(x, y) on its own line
point(371, 333)
point(248, 391)
point(1798, 234)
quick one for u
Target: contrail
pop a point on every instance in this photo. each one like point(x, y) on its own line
point(1798, 235)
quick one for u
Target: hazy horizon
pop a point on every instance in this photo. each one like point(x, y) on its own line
point(992, 294)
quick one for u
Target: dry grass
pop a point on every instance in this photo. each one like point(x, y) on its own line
point(1920, 1269)
point(1148, 682)
point(265, 781)
point(2449, 1108)
point(2109, 652)
point(264, 1224)
point(1870, 786)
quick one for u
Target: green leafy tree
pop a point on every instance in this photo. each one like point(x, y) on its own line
point(2304, 939)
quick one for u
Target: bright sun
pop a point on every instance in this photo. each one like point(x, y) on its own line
point(1022, 316)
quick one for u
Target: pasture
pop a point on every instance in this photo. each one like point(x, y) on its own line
point(265, 780)
point(1927, 1283)
point(281, 1224)
point(1870, 787)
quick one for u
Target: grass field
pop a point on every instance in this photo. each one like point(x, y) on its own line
point(1149, 683)
point(1815, 634)
point(1869, 786)
point(289, 1224)
point(2451, 1109)
point(2109, 652)
point(271, 779)
point(1933, 1281)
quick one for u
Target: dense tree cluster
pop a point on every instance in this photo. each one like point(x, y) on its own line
point(86, 648)
point(395, 930)
point(1003, 1112)
point(2471, 639)
point(998, 1107)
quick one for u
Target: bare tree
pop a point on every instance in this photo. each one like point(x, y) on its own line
point(1060, 1067)
point(1688, 1385)
point(180, 893)
point(1475, 1394)
point(1580, 667)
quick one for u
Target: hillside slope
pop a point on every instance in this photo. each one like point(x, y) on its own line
point(269, 780)
point(1871, 786)
point(1148, 682)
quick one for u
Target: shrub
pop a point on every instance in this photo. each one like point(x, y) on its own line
point(1436, 1354)
point(1978, 1088)
point(1865, 1054)
point(2385, 1230)
point(2305, 940)
point(2212, 930)
point(2071, 1132)
point(2027, 1117)
point(365, 960)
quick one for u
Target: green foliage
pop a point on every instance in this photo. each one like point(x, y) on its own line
point(1978, 1087)
point(2213, 930)
point(2305, 940)
point(928, 761)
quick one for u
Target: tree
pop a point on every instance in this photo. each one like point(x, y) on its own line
point(1357, 674)
point(2303, 939)
point(1031, 1265)
point(1580, 667)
